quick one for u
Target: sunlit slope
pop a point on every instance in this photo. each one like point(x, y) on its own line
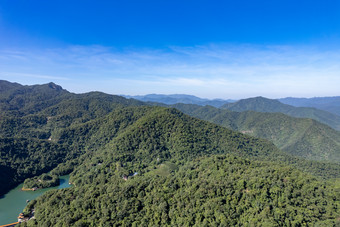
point(33, 116)
point(306, 138)
point(151, 134)
point(215, 190)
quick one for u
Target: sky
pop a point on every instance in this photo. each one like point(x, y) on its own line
point(211, 49)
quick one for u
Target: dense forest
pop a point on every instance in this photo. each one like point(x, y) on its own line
point(136, 164)
point(31, 116)
point(208, 191)
point(302, 137)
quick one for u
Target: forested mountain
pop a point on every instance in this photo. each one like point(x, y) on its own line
point(6, 86)
point(177, 98)
point(169, 133)
point(330, 104)
point(302, 137)
point(134, 164)
point(220, 190)
point(19, 100)
point(31, 116)
point(260, 104)
point(183, 177)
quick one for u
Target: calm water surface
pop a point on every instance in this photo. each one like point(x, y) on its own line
point(14, 201)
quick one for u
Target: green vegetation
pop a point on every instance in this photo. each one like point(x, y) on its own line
point(23, 158)
point(260, 104)
point(32, 117)
point(305, 138)
point(18, 100)
point(182, 179)
point(133, 164)
point(217, 190)
point(42, 181)
point(170, 133)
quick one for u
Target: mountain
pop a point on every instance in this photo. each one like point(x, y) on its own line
point(177, 98)
point(134, 164)
point(302, 137)
point(6, 86)
point(166, 168)
point(260, 104)
point(220, 190)
point(330, 104)
point(19, 100)
point(51, 124)
point(31, 116)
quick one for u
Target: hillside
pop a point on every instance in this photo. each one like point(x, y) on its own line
point(188, 172)
point(84, 114)
point(330, 104)
point(221, 190)
point(260, 104)
point(19, 100)
point(31, 116)
point(23, 158)
point(302, 137)
point(179, 170)
point(177, 98)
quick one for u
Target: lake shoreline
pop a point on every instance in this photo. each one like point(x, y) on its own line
point(14, 201)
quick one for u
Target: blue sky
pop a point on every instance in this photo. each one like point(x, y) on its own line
point(212, 49)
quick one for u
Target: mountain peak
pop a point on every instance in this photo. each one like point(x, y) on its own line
point(54, 86)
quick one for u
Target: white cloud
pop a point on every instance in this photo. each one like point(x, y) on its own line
point(28, 75)
point(223, 71)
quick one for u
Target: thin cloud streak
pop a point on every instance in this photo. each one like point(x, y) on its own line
point(215, 71)
point(6, 74)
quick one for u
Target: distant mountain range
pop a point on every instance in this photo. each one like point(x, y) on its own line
point(261, 104)
point(330, 104)
point(179, 98)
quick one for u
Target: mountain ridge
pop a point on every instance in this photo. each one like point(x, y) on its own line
point(288, 133)
point(179, 98)
point(261, 104)
point(330, 104)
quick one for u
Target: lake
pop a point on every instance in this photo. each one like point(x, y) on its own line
point(13, 203)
